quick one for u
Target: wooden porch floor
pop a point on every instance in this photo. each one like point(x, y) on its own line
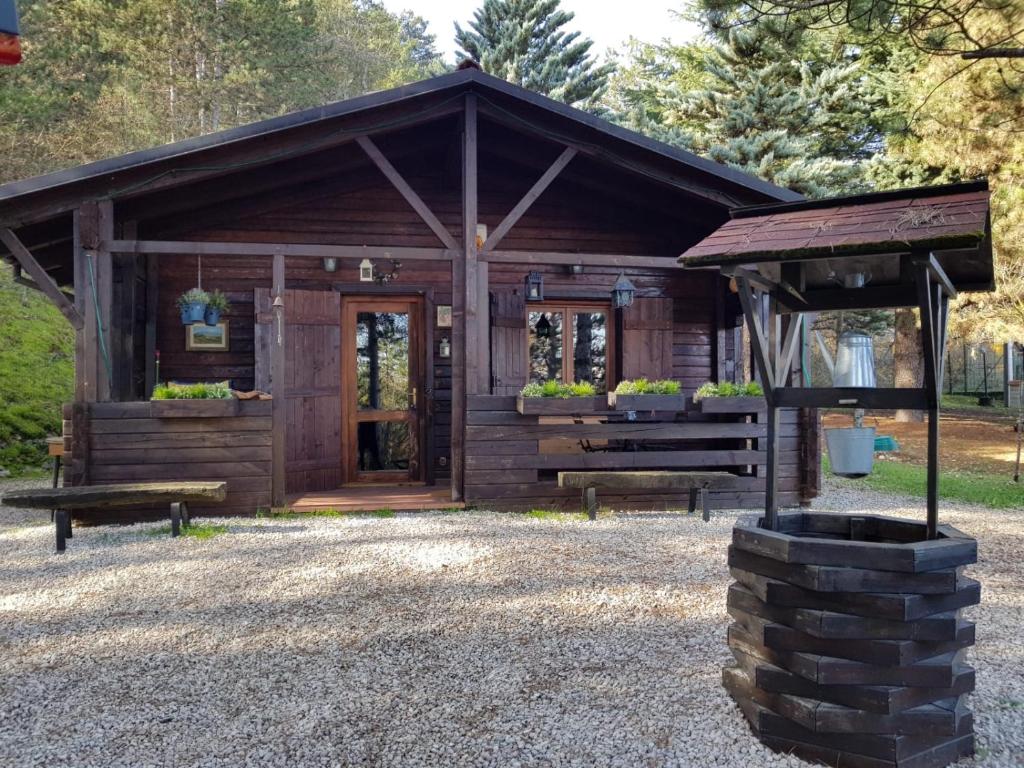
point(370, 498)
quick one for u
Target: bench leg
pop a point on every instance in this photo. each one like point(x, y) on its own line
point(693, 501)
point(590, 502)
point(705, 513)
point(175, 518)
point(186, 520)
point(56, 471)
point(62, 524)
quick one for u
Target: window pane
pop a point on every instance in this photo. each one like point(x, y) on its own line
point(384, 445)
point(590, 348)
point(382, 360)
point(545, 346)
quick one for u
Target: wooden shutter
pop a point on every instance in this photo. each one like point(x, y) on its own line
point(312, 387)
point(508, 342)
point(646, 341)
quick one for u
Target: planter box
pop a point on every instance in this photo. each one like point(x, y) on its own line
point(857, 618)
point(193, 409)
point(620, 402)
point(559, 406)
point(731, 405)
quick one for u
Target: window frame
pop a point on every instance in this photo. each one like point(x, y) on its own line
point(569, 308)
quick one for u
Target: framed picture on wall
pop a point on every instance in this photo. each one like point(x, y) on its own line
point(444, 316)
point(200, 337)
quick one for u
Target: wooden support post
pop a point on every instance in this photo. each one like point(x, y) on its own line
point(152, 301)
point(771, 474)
point(465, 330)
point(931, 336)
point(590, 503)
point(94, 286)
point(277, 364)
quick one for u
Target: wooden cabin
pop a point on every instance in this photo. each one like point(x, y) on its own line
point(378, 255)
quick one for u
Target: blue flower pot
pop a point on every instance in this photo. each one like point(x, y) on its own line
point(212, 316)
point(192, 313)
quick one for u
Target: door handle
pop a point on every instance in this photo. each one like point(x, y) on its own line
point(415, 394)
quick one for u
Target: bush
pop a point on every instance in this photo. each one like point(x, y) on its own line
point(728, 389)
point(202, 391)
point(553, 388)
point(645, 387)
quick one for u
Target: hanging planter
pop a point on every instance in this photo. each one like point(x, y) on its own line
point(192, 304)
point(216, 303)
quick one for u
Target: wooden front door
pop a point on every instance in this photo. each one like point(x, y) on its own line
point(383, 370)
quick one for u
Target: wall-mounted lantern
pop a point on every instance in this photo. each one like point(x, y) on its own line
point(535, 287)
point(330, 264)
point(623, 292)
point(576, 269)
point(366, 271)
point(444, 349)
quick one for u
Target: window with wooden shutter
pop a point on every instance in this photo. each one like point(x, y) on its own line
point(508, 342)
point(647, 339)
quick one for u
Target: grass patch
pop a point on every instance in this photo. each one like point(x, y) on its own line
point(998, 492)
point(194, 531)
point(554, 514)
point(37, 373)
point(969, 404)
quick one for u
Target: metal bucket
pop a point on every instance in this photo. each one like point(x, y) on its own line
point(851, 450)
point(855, 361)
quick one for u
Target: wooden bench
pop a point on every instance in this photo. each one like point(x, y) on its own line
point(63, 500)
point(693, 482)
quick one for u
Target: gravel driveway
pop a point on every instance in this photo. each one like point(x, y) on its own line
point(422, 640)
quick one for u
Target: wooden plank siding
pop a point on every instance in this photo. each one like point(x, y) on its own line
point(137, 442)
point(512, 459)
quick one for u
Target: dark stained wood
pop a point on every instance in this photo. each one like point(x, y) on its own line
point(268, 249)
point(470, 217)
point(640, 481)
point(106, 496)
point(278, 385)
point(407, 192)
point(647, 339)
point(42, 280)
point(529, 199)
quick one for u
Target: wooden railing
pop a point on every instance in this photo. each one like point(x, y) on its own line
point(512, 460)
point(165, 440)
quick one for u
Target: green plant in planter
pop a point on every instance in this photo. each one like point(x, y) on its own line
point(644, 387)
point(202, 391)
point(728, 389)
point(192, 304)
point(553, 388)
point(216, 303)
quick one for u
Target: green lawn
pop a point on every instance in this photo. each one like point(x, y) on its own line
point(999, 492)
point(36, 373)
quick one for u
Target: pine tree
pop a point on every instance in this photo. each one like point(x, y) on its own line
point(523, 41)
point(777, 108)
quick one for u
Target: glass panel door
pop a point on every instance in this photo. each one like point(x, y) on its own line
point(382, 387)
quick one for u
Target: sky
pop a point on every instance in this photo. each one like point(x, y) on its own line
point(648, 20)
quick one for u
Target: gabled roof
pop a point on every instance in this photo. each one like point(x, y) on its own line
point(19, 199)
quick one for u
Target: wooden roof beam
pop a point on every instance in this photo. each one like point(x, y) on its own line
point(529, 198)
point(41, 278)
point(407, 192)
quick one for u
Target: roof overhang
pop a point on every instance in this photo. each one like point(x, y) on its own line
point(811, 249)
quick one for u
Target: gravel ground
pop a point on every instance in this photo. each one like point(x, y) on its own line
point(469, 639)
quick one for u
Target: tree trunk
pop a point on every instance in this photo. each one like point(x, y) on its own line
point(908, 359)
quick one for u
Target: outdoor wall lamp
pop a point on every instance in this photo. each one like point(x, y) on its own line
point(575, 269)
point(368, 273)
point(623, 292)
point(330, 264)
point(535, 287)
point(444, 349)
